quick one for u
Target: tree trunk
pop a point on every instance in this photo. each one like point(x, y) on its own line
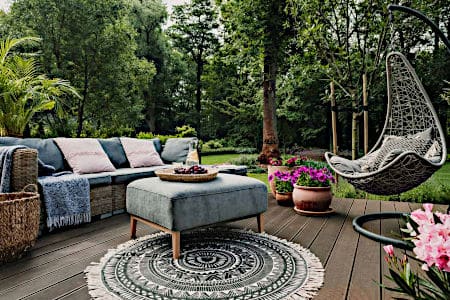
point(150, 117)
point(198, 94)
point(83, 100)
point(270, 136)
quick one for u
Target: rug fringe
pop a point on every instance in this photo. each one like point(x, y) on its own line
point(312, 284)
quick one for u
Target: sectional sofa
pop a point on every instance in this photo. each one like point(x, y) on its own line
point(107, 189)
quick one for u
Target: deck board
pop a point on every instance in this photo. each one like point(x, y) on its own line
point(54, 267)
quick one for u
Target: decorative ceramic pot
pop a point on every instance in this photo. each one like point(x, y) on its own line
point(284, 199)
point(312, 198)
point(271, 170)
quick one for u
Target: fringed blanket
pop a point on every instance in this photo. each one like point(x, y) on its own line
point(6, 158)
point(66, 197)
point(66, 200)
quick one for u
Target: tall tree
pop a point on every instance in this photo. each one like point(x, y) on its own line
point(195, 32)
point(348, 39)
point(153, 45)
point(256, 29)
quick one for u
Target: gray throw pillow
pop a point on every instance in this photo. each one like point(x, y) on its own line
point(345, 165)
point(114, 150)
point(177, 149)
point(402, 144)
point(425, 135)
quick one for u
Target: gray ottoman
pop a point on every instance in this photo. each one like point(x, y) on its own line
point(177, 206)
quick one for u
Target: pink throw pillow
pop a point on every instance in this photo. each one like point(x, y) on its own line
point(141, 153)
point(84, 155)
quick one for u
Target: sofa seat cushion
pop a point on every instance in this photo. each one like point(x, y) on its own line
point(181, 205)
point(126, 175)
point(48, 152)
point(97, 179)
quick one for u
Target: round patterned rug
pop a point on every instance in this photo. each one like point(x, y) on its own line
point(214, 264)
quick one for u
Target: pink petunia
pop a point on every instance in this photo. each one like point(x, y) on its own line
point(389, 249)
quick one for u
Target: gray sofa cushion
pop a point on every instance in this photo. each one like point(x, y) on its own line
point(176, 149)
point(157, 143)
point(115, 152)
point(97, 179)
point(48, 152)
point(126, 175)
point(179, 206)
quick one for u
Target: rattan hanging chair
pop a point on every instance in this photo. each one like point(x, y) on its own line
point(409, 113)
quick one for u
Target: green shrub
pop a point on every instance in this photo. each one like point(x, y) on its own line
point(186, 131)
point(228, 150)
point(431, 191)
point(149, 135)
point(248, 160)
point(211, 144)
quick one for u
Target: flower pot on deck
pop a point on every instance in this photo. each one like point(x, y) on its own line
point(271, 170)
point(317, 199)
point(284, 199)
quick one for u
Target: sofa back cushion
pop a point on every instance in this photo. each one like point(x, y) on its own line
point(114, 150)
point(85, 155)
point(48, 152)
point(157, 143)
point(141, 153)
point(177, 149)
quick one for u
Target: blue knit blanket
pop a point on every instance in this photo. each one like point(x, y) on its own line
point(66, 196)
point(6, 158)
point(66, 199)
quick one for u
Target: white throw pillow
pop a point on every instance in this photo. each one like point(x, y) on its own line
point(84, 155)
point(141, 153)
point(434, 153)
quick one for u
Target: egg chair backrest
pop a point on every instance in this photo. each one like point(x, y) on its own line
point(409, 108)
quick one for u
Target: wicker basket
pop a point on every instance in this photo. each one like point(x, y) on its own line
point(19, 223)
point(169, 175)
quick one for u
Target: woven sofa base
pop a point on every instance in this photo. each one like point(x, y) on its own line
point(101, 200)
point(119, 193)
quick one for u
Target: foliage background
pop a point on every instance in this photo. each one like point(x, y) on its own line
point(135, 73)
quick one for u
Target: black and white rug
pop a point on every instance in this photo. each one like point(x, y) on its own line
point(214, 264)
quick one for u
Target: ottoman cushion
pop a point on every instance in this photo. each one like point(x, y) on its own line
point(179, 206)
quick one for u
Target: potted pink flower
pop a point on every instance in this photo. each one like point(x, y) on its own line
point(312, 188)
point(430, 236)
point(278, 164)
point(284, 185)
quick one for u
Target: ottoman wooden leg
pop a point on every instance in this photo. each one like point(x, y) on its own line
point(176, 244)
point(133, 223)
point(260, 218)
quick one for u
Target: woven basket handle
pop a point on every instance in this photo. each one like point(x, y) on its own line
point(30, 188)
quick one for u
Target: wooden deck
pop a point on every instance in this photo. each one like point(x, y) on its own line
point(353, 263)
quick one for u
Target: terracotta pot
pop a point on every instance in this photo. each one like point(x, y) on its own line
point(284, 199)
point(271, 170)
point(312, 198)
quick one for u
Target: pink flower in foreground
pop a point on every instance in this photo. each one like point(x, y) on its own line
point(389, 249)
point(432, 243)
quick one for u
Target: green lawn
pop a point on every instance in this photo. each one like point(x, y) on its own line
point(436, 189)
point(226, 158)
point(218, 159)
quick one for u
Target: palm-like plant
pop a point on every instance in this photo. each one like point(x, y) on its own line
point(23, 90)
